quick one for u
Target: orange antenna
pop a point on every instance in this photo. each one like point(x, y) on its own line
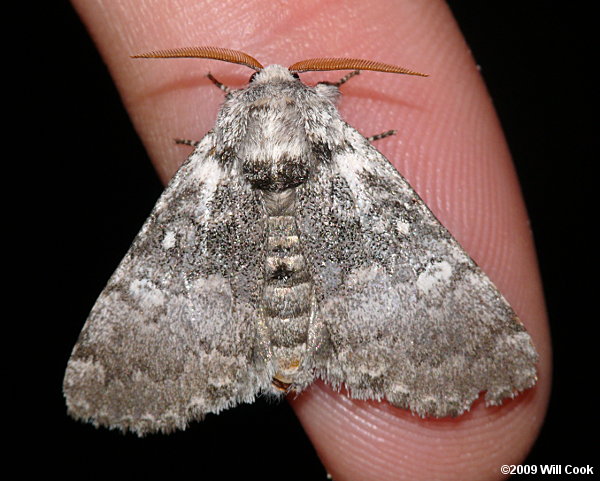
point(216, 53)
point(315, 64)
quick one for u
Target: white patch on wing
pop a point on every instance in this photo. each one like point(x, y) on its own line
point(350, 165)
point(402, 227)
point(363, 276)
point(146, 293)
point(433, 275)
point(210, 175)
point(169, 239)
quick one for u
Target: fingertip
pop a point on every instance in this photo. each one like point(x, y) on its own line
point(374, 440)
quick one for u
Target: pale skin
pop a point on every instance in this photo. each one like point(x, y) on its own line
point(449, 146)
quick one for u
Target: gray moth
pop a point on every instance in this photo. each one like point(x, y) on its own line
point(285, 249)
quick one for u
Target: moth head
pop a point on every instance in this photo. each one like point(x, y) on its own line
point(311, 65)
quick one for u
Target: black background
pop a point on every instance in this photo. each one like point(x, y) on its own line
point(537, 61)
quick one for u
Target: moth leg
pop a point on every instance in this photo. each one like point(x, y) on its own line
point(343, 80)
point(191, 143)
point(224, 88)
point(381, 136)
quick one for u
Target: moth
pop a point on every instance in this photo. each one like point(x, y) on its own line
point(287, 248)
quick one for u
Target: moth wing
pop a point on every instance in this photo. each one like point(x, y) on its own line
point(171, 336)
point(410, 315)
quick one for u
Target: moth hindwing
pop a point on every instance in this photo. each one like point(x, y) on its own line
point(285, 249)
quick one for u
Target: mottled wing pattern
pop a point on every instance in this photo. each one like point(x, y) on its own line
point(410, 316)
point(171, 336)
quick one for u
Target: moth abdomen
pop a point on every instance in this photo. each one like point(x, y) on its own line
point(288, 290)
point(288, 286)
point(287, 271)
point(287, 302)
